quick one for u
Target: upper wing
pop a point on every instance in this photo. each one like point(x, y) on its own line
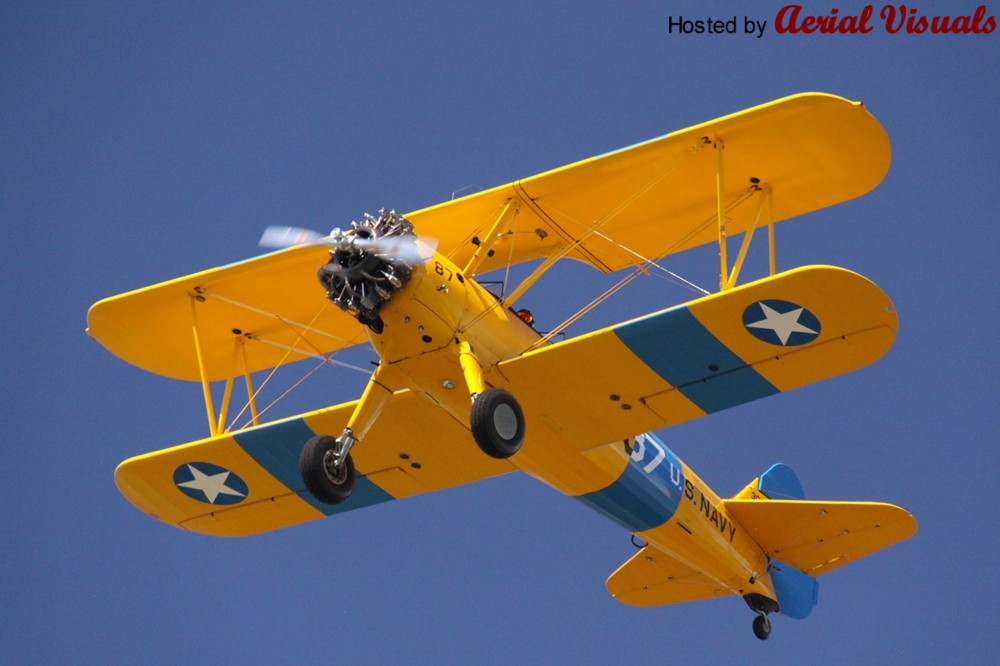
point(659, 197)
point(152, 327)
point(719, 351)
point(249, 481)
point(652, 578)
point(816, 537)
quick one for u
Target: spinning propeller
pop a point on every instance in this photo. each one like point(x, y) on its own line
point(399, 246)
point(368, 262)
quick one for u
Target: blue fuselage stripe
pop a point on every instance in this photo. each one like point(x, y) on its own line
point(276, 448)
point(648, 491)
point(676, 346)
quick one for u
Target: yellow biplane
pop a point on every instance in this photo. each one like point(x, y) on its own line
point(466, 388)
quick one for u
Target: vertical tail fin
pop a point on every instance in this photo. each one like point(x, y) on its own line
point(779, 482)
point(797, 592)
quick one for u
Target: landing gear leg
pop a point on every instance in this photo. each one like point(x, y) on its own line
point(325, 463)
point(496, 419)
point(761, 605)
point(762, 626)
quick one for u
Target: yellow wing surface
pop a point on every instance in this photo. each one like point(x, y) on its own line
point(723, 350)
point(655, 198)
point(654, 578)
point(719, 351)
point(659, 197)
point(816, 537)
point(251, 311)
point(247, 482)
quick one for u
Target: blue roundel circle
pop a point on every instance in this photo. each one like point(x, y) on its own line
point(781, 323)
point(210, 483)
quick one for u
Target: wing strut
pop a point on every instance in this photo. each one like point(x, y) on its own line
point(720, 214)
point(217, 422)
point(239, 361)
point(227, 393)
point(727, 279)
point(485, 246)
point(577, 242)
point(546, 265)
point(205, 387)
point(251, 395)
point(765, 202)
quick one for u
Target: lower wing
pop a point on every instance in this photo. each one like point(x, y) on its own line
point(248, 481)
point(723, 350)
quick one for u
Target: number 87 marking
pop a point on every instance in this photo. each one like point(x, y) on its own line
point(441, 270)
point(639, 452)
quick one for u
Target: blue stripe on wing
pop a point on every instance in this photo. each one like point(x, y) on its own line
point(276, 448)
point(676, 346)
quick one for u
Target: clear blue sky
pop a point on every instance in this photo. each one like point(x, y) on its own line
point(140, 141)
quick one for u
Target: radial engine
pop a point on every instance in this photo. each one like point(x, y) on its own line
point(369, 262)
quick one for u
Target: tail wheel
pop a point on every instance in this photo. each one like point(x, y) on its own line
point(761, 627)
point(327, 481)
point(497, 423)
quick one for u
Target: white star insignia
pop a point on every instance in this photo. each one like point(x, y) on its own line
point(783, 325)
point(212, 485)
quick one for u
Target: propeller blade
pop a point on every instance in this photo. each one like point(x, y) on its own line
point(410, 249)
point(407, 248)
point(277, 238)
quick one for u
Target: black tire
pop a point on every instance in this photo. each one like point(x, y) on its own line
point(328, 485)
point(762, 627)
point(497, 423)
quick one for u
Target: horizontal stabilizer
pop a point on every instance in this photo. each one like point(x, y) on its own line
point(654, 578)
point(816, 537)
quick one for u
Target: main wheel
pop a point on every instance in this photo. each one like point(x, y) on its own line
point(329, 483)
point(497, 423)
point(761, 627)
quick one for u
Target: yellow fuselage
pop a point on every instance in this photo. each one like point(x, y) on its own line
point(650, 492)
